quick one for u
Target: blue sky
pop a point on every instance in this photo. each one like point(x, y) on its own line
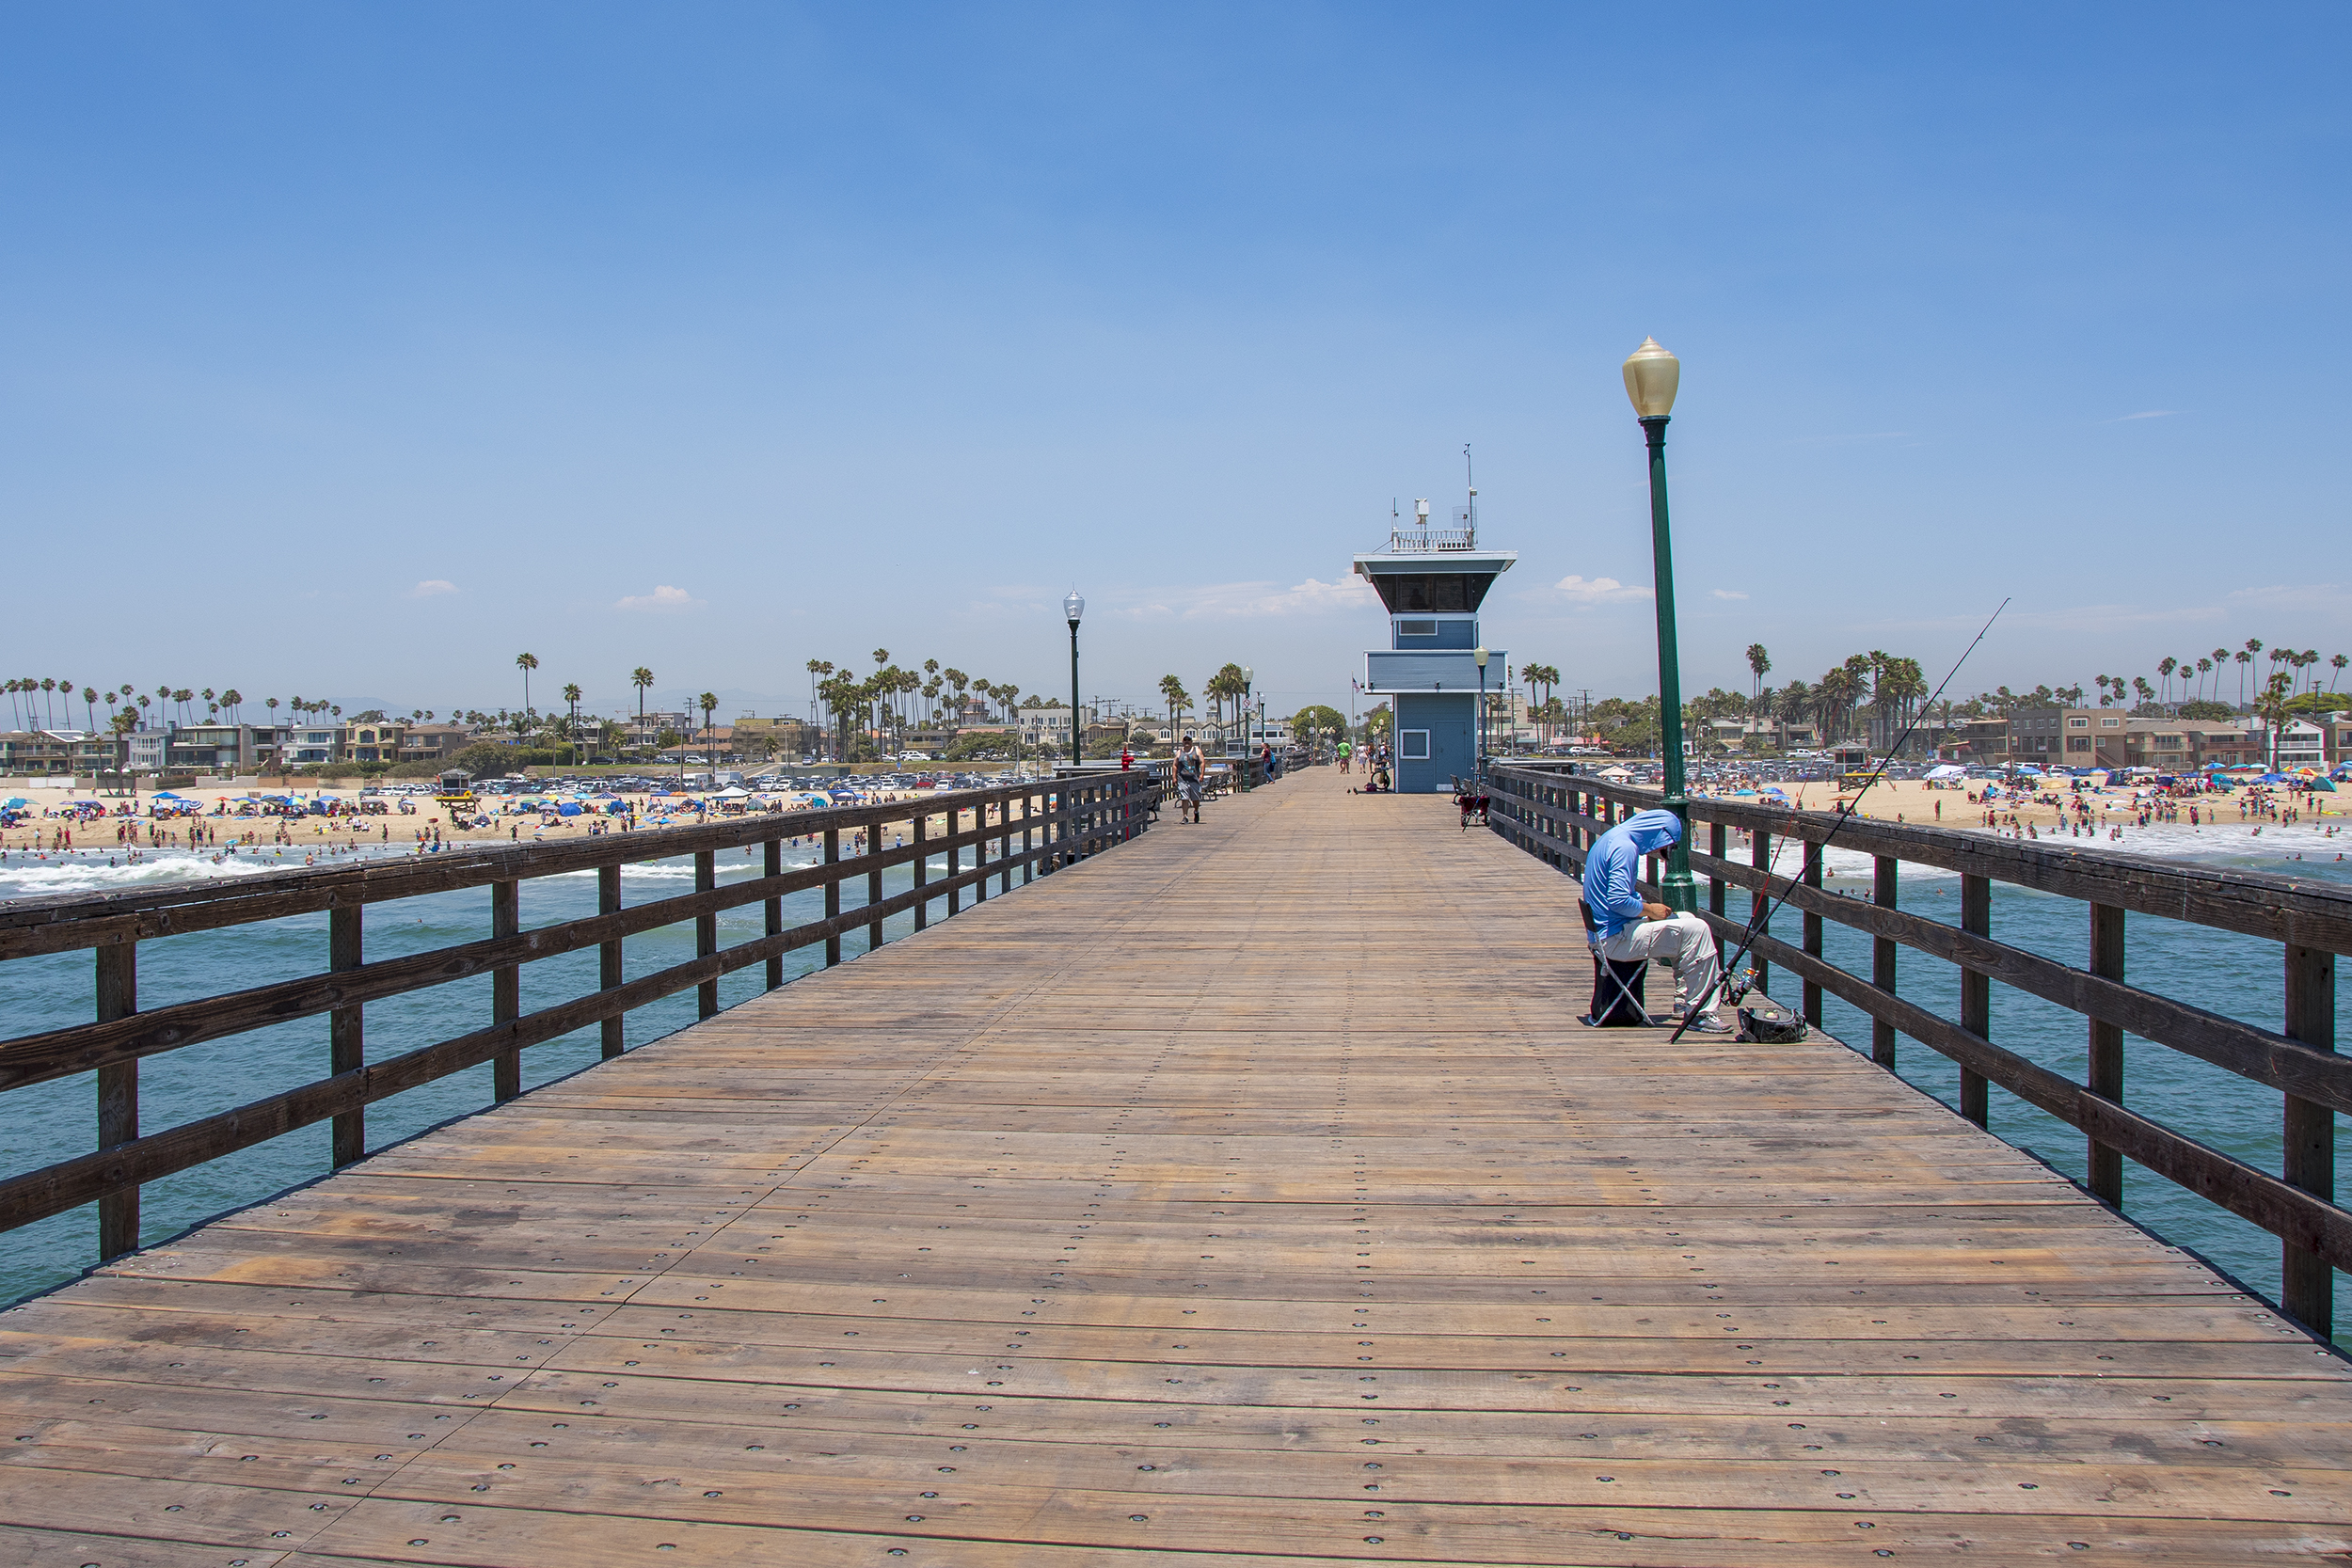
point(351, 349)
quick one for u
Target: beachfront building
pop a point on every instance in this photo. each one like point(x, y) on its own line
point(1977, 743)
point(38, 753)
point(312, 743)
point(2184, 745)
point(646, 731)
point(1432, 582)
point(780, 736)
point(431, 742)
point(1049, 725)
point(2298, 743)
point(2068, 738)
point(373, 740)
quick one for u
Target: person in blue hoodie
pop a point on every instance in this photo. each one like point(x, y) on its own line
point(1631, 927)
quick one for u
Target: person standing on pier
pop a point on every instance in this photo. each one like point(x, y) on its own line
point(1631, 928)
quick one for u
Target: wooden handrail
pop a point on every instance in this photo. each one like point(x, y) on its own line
point(1556, 814)
point(1078, 817)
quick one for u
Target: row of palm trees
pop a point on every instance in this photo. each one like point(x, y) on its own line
point(1889, 685)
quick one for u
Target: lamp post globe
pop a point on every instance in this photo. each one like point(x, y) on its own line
point(1652, 377)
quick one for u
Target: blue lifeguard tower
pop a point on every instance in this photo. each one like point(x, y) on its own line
point(1432, 582)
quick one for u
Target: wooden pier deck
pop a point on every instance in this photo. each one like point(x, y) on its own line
point(1243, 1197)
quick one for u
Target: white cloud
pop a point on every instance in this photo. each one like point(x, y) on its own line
point(431, 586)
point(1599, 590)
point(2148, 413)
point(1227, 600)
point(1727, 593)
point(662, 598)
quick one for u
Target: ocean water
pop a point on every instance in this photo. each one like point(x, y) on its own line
point(2242, 976)
point(56, 1120)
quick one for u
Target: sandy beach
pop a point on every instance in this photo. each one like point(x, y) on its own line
point(49, 829)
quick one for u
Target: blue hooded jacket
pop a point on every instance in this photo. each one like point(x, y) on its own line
point(1615, 860)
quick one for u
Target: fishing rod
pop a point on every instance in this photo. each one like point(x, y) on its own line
point(1758, 920)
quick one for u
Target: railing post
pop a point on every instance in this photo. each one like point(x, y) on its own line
point(1029, 830)
point(955, 859)
point(2307, 1283)
point(1813, 933)
point(1004, 844)
point(1976, 995)
point(1761, 900)
point(2104, 1165)
point(613, 1030)
point(922, 864)
point(832, 894)
point(346, 1039)
point(1718, 845)
point(1883, 958)
point(979, 850)
point(506, 991)
point(774, 866)
point(118, 1098)
point(873, 884)
point(706, 933)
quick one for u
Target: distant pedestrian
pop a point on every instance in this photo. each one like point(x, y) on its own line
point(1191, 767)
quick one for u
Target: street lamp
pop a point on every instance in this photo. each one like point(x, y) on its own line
point(1073, 607)
point(1480, 655)
point(1248, 682)
point(1652, 376)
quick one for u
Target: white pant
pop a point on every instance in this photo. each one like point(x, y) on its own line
point(1685, 939)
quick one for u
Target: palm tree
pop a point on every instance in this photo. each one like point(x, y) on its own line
point(2164, 672)
point(641, 678)
point(707, 701)
point(2336, 664)
point(571, 730)
point(526, 663)
point(272, 705)
point(1758, 662)
point(1178, 699)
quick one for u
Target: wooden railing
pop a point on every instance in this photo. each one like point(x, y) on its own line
point(1555, 815)
point(1039, 827)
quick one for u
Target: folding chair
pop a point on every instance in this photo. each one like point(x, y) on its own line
point(1618, 987)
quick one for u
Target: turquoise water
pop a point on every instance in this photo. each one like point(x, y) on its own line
point(2237, 975)
point(56, 1120)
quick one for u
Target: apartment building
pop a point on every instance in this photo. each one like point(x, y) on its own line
point(1049, 725)
point(432, 742)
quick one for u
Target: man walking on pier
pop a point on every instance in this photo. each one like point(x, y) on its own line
point(1190, 767)
point(1632, 928)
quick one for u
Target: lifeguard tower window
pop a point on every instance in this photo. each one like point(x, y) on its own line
point(1417, 628)
point(1431, 592)
point(1412, 745)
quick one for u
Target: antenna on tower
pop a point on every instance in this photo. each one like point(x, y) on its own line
point(1469, 475)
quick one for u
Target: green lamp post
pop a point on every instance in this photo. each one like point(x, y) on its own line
point(1479, 655)
point(1074, 607)
point(1652, 376)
